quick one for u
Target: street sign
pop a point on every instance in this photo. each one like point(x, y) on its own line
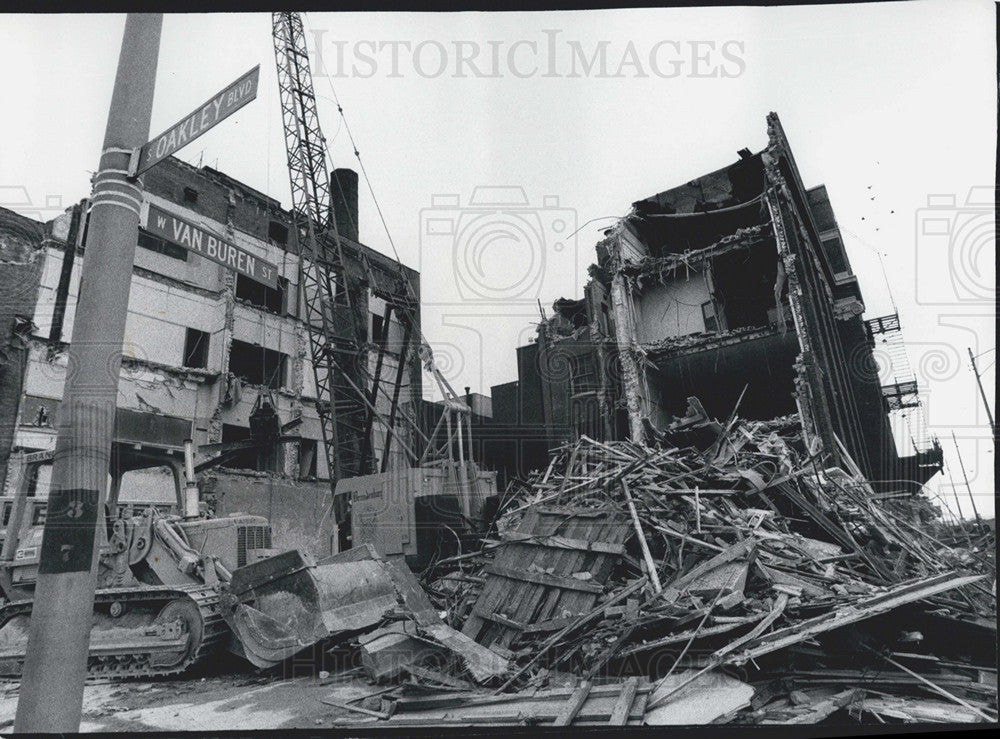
point(204, 117)
point(206, 244)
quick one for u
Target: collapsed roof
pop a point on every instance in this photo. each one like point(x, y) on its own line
point(697, 214)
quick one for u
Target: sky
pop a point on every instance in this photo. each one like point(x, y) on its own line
point(560, 120)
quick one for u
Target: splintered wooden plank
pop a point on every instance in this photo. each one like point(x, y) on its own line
point(544, 578)
point(498, 594)
point(553, 624)
point(639, 706)
point(859, 610)
point(526, 607)
point(502, 595)
point(572, 707)
point(545, 603)
point(510, 597)
point(517, 712)
point(623, 706)
point(563, 542)
point(612, 529)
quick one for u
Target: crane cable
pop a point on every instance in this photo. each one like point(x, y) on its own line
point(411, 298)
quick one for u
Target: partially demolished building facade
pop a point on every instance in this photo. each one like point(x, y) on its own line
point(734, 288)
point(202, 343)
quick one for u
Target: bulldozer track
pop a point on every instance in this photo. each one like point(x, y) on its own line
point(130, 661)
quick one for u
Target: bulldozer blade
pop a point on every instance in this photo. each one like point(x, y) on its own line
point(281, 605)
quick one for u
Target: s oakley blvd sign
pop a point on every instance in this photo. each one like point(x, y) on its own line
point(215, 109)
point(199, 241)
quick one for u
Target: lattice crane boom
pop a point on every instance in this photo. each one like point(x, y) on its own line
point(339, 360)
point(347, 390)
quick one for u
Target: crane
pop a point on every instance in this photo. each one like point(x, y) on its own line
point(347, 390)
point(331, 296)
point(336, 309)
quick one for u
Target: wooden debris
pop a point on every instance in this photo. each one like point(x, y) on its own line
point(619, 704)
point(724, 545)
point(572, 707)
point(810, 709)
point(357, 709)
point(532, 582)
point(918, 710)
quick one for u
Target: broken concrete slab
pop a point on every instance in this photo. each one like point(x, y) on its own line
point(704, 699)
point(387, 652)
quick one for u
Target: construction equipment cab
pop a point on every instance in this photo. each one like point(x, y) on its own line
point(421, 513)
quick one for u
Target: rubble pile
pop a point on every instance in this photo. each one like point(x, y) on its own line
point(721, 575)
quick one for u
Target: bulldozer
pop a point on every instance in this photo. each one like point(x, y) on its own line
point(156, 608)
point(177, 586)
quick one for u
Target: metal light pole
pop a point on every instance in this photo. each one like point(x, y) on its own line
point(51, 697)
point(982, 394)
point(968, 487)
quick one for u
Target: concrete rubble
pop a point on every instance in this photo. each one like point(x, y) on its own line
point(721, 575)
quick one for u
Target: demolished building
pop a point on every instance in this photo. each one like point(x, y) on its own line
point(202, 344)
point(734, 288)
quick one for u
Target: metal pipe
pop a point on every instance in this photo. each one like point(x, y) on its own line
point(190, 484)
point(982, 394)
point(13, 532)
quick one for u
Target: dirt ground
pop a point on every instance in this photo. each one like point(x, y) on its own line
point(219, 702)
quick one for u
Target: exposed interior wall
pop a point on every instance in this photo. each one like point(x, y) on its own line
point(767, 254)
point(672, 309)
point(744, 283)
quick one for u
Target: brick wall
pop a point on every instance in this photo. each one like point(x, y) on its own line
point(20, 270)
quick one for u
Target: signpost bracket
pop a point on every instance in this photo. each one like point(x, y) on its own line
point(133, 163)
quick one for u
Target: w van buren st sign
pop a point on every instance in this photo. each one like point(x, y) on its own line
point(206, 244)
point(215, 109)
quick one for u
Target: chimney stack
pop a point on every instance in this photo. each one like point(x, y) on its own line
point(344, 196)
